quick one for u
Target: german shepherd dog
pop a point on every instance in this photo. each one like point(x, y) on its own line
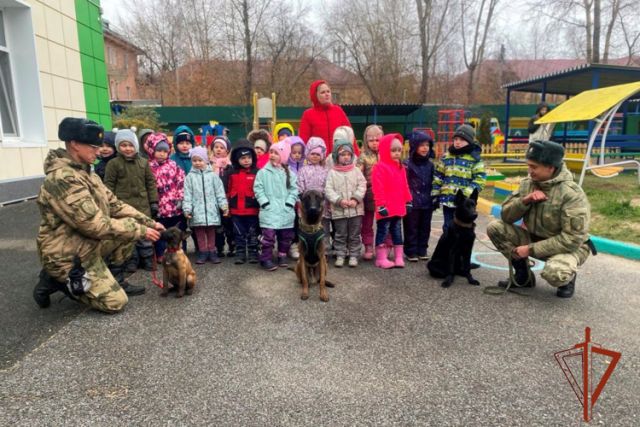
point(312, 263)
point(177, 268)
point(453, 252)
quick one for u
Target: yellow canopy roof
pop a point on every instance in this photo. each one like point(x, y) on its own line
point(590, 104)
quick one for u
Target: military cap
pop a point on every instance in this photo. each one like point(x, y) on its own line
point(546, 152)
point(80, 130)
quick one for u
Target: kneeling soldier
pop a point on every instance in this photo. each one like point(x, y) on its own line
point(556, 214)
point(83, 224)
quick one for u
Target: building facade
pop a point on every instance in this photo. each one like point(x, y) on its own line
point(122, 66)
point(52, 65)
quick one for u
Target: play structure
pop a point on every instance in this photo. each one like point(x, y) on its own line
point(600, 106)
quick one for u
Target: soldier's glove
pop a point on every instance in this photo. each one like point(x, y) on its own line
point(382, 211)
point(78, 282)
point(154, 210)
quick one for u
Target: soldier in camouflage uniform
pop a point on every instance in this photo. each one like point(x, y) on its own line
point(81, 218)
point(556, 217)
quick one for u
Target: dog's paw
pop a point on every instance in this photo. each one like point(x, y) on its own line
point(324, 296)
point(164, 294)
point(446, 283)
point(473, 282)
point(189, 291)
point(304, 296)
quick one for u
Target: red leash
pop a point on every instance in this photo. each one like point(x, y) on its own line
point(154, 278)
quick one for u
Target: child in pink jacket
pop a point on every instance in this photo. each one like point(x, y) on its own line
point(392, 199)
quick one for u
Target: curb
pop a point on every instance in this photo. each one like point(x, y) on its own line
point(602, 244)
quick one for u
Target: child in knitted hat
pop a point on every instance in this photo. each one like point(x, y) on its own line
point(277, 193)
point(459, 169)
point(107, 153)
point(129, 177)
point(170, 183)
point(183, 141)
point(366, 161)
point(221, 165)
point(345, 189)
point(313, 176)
point(204, 198)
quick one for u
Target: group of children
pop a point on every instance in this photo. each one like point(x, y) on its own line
point(245, 198)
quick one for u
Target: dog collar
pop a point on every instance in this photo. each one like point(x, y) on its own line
point(459, 223)
point(173, 250)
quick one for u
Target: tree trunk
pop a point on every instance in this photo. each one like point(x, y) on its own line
point(596, 31)
point(424, 52)
point(248, 79)
point(588, 28)
point(471, 72)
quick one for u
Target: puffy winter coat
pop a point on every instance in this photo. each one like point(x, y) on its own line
point(366, 161)
point(276, 200)
point(560, 223)
point(389, 181)
point(204, 197)
point(132, 181)
point(420, 171)
point(322, 120)
point(345, 186)
point(170, 185)
point(239, 181)
point(458, 172)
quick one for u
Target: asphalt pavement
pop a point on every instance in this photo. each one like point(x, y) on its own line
point(389, 348)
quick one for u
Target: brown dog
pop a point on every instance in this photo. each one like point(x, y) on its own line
point(312, 263)
point(177, 268)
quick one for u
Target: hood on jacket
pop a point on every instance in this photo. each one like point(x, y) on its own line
point(417, 138)
point(153, 140)
point(281, 126)
point(385, 148)
point(365, 146)
point(240, 148)
point(183, 129)
point(262, 134)
point(316, 143)
point(541, 106)
point(336, 148)
point(313, 89)
point(296, 140)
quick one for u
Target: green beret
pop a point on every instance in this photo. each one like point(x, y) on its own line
point(80, 130)
point(546, 152)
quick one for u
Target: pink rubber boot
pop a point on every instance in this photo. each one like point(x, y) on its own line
point(381, 257)
point(399, 256)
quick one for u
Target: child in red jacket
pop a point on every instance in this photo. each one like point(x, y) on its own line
point(243, 206)
point(392, 199)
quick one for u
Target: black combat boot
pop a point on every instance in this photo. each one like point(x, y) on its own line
point(521, 275)
point(131, 266)
point(147, 263)
point(46, 286)
point(567, 290)
point(118, 273)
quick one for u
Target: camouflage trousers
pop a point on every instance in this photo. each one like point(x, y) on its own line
point(105, 293)
point(558, 270)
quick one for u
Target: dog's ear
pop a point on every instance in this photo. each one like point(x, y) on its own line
point(474, 195)
point(185, 234)
point(459, 198)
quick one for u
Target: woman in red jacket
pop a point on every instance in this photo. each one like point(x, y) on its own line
point(324, 117)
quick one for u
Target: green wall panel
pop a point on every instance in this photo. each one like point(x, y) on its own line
point(92, 59)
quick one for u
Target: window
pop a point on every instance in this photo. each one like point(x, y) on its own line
point(21, 112)
point(126, 61)
point(111, 55)
point(8, 116)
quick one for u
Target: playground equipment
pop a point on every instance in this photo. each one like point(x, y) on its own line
point(600, 105)
point(264, 108)
point(209, 131)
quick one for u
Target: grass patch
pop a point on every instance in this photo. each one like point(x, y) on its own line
point(615, 205)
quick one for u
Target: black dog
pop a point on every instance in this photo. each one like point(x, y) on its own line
point(453, 252)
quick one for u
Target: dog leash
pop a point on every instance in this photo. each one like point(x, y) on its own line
point(154, 277)
point(497, 290)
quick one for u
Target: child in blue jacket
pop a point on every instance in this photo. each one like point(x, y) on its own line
point(277, 192)
point(204, 198)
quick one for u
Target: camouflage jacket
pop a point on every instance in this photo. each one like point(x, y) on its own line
point(557, 225)
point(77, 210)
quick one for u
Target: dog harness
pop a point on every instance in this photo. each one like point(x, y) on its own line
point(311, 236)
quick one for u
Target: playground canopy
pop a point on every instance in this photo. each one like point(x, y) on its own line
point(601, 106)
